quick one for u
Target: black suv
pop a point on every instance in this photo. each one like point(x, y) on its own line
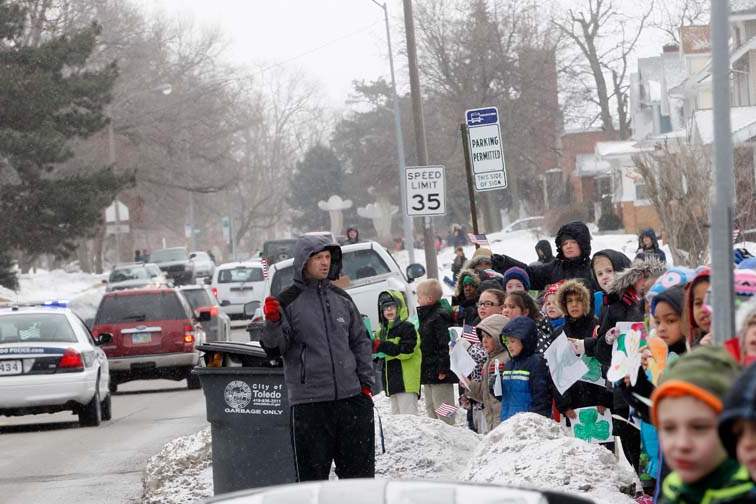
point(175, 263)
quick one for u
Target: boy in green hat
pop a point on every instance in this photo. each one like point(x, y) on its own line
point(396, 339)
point(685, 410)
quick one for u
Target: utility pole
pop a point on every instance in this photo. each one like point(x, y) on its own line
point(720, 232)
point(468, 172)
point(407, 225)
point(431, 261)
point(112, 162)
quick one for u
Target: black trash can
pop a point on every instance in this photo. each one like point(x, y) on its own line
point(249, 414)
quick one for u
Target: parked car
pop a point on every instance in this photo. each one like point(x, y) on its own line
point(204, 266)
point(201, 299)
point(381, 491)
point(135, 275)
point(236, 284)
point(153, 334)
point(369, 270)
point(527, 223)
point(176, 264)
point(49, 362)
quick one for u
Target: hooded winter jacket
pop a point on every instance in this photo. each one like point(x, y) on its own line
point(525, 381)
point(560, 268)
point(729, 483)
point(482, 390)
point(543, 249)
point(401, 346)
point(650, 252)
point(739, 404)
point(321, 337)
point(434, 321)
point(467, 311)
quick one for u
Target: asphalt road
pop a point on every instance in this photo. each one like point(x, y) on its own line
point(49, 458)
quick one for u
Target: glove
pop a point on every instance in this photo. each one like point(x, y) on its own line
point(366, 391)
point(272, 309)
point(376, 344)
point(611, 336)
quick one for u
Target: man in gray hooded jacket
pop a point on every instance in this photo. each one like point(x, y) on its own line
point(317, 329)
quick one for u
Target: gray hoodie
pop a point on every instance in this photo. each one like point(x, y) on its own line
point(326, 350)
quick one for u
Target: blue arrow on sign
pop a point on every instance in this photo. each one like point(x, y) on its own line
point(480, 117)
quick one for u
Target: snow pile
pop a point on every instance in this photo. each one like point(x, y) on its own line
point(529, 450)
point(418, 447)
point(51, 285)
point(181, 472)
point(85, 304)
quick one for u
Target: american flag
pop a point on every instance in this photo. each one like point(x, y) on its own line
point(468, 333)
point(478, 239)
point(264, 263)
point(446, 410)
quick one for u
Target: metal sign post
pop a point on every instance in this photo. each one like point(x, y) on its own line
point(720, 232)
point(468, 171)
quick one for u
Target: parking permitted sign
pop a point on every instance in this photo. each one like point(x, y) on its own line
point(486, 149)
point(426, 190)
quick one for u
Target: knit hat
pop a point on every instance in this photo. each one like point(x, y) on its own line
point(483, 252)
point(740, 404)
point(677, 275)
point(516, 273)
point(552, 289)
point(705, 373)
point(749, 263)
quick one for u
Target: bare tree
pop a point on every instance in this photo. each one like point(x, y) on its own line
point(678, 182)
point(670, 16)
point(606, 39)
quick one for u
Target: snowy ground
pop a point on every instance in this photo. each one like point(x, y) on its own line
point(527, 451)
point(82, 291)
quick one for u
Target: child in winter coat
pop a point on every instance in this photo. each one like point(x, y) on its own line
point(737, 423)
point(465, 298)
point(552, 311)
point(575, 301)
point(685, 410)
point(746, 326)
point(434, 318)
point(520, 304)
point(480, 390)
point(697, 316)
point(525, 381)
point(605, 265)
point(397, 340)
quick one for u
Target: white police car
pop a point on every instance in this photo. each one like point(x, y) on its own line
point(49, 362)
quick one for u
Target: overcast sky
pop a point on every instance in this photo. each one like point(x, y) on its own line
point(333, 41)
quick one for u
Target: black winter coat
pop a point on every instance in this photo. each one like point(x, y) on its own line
point(560, 268)
point(393, 375)
point(468, 311)
point(435, 321)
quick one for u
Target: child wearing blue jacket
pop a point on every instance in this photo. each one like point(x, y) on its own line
point(525, 381)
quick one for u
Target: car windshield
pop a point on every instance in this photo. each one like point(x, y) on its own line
point(197, 298)
point(36, 328)
point(167, 255)
point(240, 274)
point(140, 308)
point(125, 274)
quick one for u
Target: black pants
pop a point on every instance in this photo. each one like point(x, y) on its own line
point(631, 441)
point(342, 431)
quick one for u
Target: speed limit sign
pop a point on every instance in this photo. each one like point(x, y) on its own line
point(426, 190)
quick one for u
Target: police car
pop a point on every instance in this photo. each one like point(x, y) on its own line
point(49, 362)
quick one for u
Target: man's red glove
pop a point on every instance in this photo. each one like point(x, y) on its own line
point(272, 309)
point(367, 392)
point(376, 344)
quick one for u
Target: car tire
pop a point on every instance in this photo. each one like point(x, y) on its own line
point(192, 381)
point(107, 408)
point(113, 386)
point(90, 415)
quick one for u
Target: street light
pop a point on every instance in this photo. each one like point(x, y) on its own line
point(409, 238)
point(165, 89)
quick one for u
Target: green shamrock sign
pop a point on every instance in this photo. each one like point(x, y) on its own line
point(594, 369)
point(590, 428)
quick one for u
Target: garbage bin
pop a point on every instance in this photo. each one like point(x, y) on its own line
point(248, 410)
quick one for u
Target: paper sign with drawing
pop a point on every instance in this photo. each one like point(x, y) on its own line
point(626, 352)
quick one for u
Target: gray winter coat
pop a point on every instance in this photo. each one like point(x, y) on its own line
point(321, 337)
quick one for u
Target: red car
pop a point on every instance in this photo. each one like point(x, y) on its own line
point(154, 335)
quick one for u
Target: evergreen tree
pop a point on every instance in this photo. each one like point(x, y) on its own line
point(50, 95)
point(316, 177)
